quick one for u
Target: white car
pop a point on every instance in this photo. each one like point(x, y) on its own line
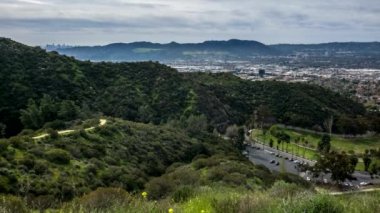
point(363, 183)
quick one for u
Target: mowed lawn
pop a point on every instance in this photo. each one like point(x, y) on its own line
point(358, 145)
point(349, 145)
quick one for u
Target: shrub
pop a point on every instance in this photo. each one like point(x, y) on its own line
point(235, 178)
point(215, 174)
point(321, 204)
point(42, 202)
point(3, 145)
point(200, 163)
point(17, 142)
point(28, 161)
point(184, 176)
point(173, 167)
point(57, 124)
point(53, 133)
point(12, 204)
point(182, 194)
point(40, 167)
point(226, 205)
point(283, 189)
point(159, 187)
point(256, 203)
point(58, 156)
point(104, 198)
point(4, 184)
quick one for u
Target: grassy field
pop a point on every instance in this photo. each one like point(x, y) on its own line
point(355, 145)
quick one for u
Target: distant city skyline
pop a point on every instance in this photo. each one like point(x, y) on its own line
point(99, 22)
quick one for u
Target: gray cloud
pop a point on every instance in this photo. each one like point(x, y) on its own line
point(103, 21)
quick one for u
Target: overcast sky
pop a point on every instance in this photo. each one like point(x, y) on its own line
point(89, 22)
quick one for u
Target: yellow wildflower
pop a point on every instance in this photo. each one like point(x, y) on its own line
point(171, 210)
point(144, 194)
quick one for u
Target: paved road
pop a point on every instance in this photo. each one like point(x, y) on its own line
point(264, 155)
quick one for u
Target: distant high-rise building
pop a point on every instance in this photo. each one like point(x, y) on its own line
point(261, 73)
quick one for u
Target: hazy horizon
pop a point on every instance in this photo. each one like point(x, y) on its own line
point(83, 22)
point(128, 42)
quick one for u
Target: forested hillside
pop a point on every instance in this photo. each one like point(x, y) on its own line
point(40, 88)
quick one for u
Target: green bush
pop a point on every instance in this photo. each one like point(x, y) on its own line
point(58, 156)
point(12, 204)
point(42, 202)
point(41, 167)
point(215, 174)
point(200, 163)
point(184, 176)
point(182, 194)
point(103, 199)
point(235, 179)
point(283, 190)
point(3, 145)
point(321, 204)
point(53, 133)
point(226, 205)
point(159, 187)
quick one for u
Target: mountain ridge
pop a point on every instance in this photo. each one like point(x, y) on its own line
point(213, 49)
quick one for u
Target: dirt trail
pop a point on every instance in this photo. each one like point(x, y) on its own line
point(102, 122)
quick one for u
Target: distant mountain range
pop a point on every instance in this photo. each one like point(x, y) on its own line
point(231, 49)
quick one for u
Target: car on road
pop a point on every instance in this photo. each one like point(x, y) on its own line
point(364, 184)
point(348, 184)
point(245, 153)
point(277, 163)
point(272, 161)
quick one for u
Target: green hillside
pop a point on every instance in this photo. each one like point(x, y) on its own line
point(123, 154)
point(48, 87)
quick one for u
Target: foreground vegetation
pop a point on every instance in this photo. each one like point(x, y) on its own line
point(133, 156)
point(281, 197)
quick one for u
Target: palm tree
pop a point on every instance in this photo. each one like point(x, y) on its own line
point(304, 149)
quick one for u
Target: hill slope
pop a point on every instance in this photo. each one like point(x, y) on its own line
point(61, 88)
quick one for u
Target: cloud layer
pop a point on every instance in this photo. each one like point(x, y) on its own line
point(91, 22)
